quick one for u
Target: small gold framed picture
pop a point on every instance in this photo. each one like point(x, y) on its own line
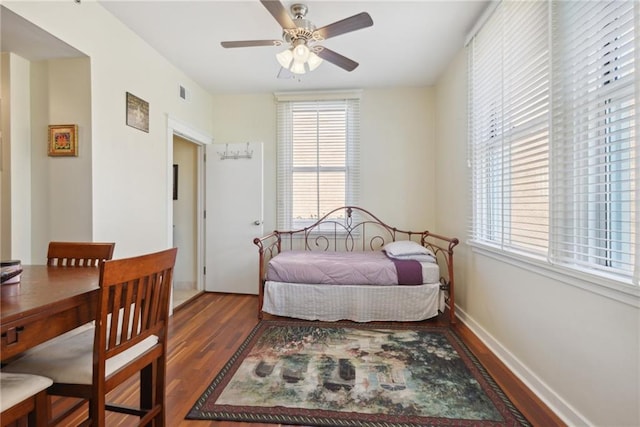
point(63, 140)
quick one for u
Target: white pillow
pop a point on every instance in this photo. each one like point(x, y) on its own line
point(406, 249)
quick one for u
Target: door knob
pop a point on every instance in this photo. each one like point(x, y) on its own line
point(257, 222)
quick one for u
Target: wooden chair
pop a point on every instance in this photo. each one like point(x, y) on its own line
point(23, 396)
point(130, 336)
point(78, 254)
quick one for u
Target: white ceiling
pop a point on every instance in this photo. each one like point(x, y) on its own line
point(409, 44)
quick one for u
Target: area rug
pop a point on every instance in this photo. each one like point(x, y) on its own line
point(349, 374)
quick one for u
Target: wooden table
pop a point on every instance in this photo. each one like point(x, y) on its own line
point(47, 302)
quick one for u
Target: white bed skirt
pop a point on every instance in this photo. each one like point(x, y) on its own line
point(357, 303)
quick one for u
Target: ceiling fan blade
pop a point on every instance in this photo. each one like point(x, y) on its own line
point(277, 10)
point(353, 23)
point(335, 58)
point(251, 43)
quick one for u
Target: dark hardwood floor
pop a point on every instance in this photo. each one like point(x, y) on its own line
point(207, 330)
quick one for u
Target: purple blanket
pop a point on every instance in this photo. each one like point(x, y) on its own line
point(409, 271)
point(343, 268)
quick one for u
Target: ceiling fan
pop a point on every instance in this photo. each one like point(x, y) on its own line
point(304, 54)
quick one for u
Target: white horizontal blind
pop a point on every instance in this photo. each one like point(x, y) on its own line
point(595, 154)
point(509, 128)
point(318, 152)
point(553, 140)
point(485, 130)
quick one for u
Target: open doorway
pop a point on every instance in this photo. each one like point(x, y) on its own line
point(185, 220)
point(186, 150)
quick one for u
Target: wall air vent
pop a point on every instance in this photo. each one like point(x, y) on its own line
point(183, 93)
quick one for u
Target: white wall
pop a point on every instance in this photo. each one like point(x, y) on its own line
point(5, 158)
point(20, 179)
point(131, 181)
point(61, 186)
point(397, 150)
point(579, 350)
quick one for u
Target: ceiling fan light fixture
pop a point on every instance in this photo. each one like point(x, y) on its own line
point(285, 58)
point(314, 61)
point(301, 52)
point(297, 67)
point(299, 59)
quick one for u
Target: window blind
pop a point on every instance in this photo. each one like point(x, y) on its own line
point(318, 153)
point(595, 148)
point(509, 99)
point(553, 144)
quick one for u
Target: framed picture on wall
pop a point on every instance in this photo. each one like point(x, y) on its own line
point(63, 140)
point(137, 113)
point(175, 182)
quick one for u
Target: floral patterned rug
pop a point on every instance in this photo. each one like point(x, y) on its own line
point(350, 374)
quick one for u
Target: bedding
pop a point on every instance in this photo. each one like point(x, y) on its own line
point(358, 303)
point(349, 265)
point(349, 268)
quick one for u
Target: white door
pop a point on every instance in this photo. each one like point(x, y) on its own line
point(234, 217)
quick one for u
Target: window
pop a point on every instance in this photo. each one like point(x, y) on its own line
point(510, 93)
point(317, 158)
point(595, 141)
point(552, 134)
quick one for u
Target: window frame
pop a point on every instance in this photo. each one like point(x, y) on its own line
point(286, 102)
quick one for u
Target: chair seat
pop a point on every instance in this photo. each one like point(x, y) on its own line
point(127, 339)
point(68, 359)
point(16, 387)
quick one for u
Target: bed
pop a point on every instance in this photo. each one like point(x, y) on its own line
point(349, 265)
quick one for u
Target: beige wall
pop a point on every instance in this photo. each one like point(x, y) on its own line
point(130, 183)
point(251, 118)
point(185, 155)
point(5, 159)
point(16, 177)
point(398, 156)
point(576, 345)
point(452, 173)
point(578, 349)
point(397, 150)
point(61, 202)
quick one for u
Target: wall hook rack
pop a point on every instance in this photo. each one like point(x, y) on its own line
point(235, 155)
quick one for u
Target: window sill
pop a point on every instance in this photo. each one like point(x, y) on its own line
point(624, 292)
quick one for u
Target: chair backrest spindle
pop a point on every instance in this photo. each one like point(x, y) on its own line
point(134, 301)
point(78, 254)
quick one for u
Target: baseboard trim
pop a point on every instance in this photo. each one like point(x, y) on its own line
point(558, 405)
